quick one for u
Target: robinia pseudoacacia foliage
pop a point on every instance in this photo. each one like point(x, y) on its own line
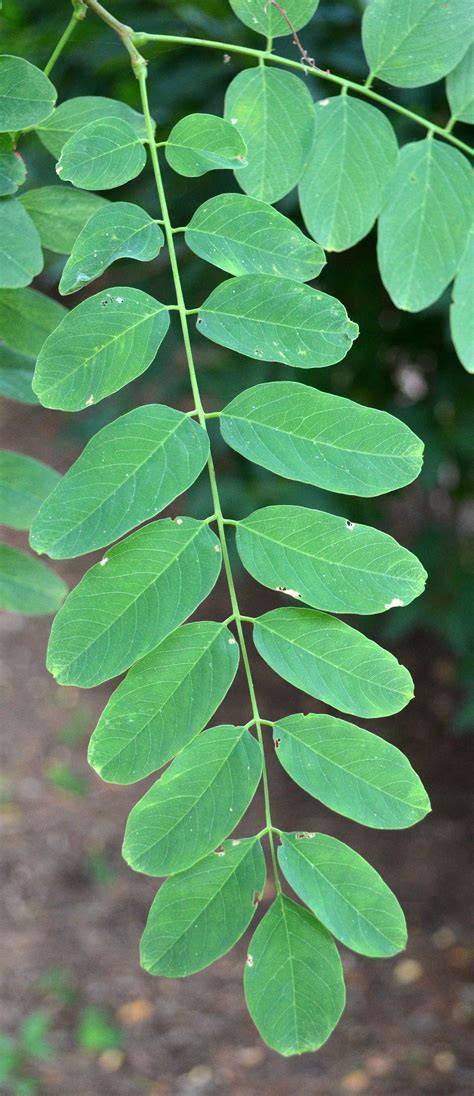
point(128, 613)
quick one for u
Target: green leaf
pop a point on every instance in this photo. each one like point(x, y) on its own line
point(345, 893)
point(74, 114)
point(265, 19)
point(33, 1035)
point(165, 701)
point(125, 605)
point(26, 318)
point(59, 213)
point(460, 88)
point(204, 142)
point(294, 985)
point(95, 1032)
point(326, 561)
point(12, 167)
point(26, 95)
point(342, 187)
point(410, 43)
point(332, 662)
point(277, 320)
point(119, 231)
point(24, 483)
point(317, 438)
point(461, 312)
point(199, 915)
point(244, 236)
point(102, 155)
point(351, 771)
point(101, 345)
point(16, 375)
point(21, 257)
point(273, 111)
point(195, 804)
point(26, 585)
point(424, 226)
point(126, 474)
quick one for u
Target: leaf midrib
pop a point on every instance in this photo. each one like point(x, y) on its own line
point(362, 916)
point(106, 498)
point(248, 852)
point(143, 591)
point(334, 666)
point(95, 354)
point(272, 323)
point(353, 776)
point(172, 778)
point(192, 669)
point(310, 441)
point(322, 559)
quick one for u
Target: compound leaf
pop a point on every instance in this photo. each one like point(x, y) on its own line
point(343, 184)
point(273, 111)
point(424, 225)
point(344, 892)
point(195, 804)
point(410, 43)
point(102, 155)
point(317, 438)
point(165, 701)
point(461, 314)
point(460, 88)
point(326, 561)
point(277, 320)
point(198, 915)
point(26, 585)
point(27, 318)
point(350, 770)
point(125, 605)
point(126, 474)
point(204, 142)
point(74, 114)
point(21, 257)
point(26, 95)
point(267, 20)
point(12, 166)
point(24, 483)
point(331, 661)
point(245, 236)
point(16, 375)
point(101, 345)
point(294, 985)
point(59, 213)
point(117, 231)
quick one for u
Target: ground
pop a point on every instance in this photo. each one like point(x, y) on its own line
point(73, 912)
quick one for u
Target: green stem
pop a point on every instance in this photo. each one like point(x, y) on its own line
point(140, 39)
point(183, 314)
point(58, 49)
point(125, 33)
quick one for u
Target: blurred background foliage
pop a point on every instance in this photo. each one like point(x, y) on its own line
point(401, 363)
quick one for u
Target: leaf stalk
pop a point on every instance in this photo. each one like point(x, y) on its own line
point(141, 73)
point(141, 38)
